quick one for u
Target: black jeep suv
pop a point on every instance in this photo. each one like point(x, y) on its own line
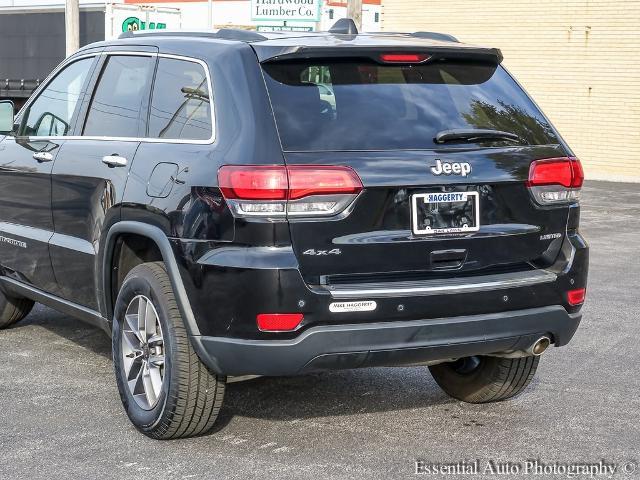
point(230, 203)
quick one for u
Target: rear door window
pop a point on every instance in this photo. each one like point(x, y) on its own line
point(181, 102)
point(360, 105)
point(115, 108)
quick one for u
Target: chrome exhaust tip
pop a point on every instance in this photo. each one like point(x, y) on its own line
point(536, 349)
point(540, 346)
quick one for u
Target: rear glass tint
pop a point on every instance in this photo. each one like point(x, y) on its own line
point(181, 104)
point(117, 101)
point(346, 105)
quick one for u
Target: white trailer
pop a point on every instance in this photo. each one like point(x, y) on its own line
point(122, 17)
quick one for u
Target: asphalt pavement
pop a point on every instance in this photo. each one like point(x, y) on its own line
point(60, 415)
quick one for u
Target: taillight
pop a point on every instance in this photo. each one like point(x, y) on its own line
point(257, 183)
point(300, 190)
point(309, 180)
point(576, 297)
point(278, 322)
point(404, 57)
point(555, 180)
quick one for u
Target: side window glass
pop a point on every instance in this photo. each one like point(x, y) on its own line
point(116, 103)
point(51, 113)
point(181, 103)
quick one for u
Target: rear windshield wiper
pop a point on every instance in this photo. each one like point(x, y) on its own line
point(472, 135)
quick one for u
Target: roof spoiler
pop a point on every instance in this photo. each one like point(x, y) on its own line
point(452, 52)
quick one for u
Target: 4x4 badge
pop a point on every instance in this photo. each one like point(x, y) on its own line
point(453, 168)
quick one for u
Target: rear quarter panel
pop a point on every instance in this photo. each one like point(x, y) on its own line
point(245, 132)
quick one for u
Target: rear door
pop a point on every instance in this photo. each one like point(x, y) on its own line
point(407, 223)
point(91, 169)
point(26, 162)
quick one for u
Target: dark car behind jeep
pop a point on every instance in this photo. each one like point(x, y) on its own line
point(231, 203)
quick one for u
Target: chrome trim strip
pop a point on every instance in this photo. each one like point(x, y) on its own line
point(442, 286)
point(26, 232)
point(73, 243)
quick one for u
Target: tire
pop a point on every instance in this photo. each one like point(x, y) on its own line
point(485, 379)
point(12, 310)
point(174, 395)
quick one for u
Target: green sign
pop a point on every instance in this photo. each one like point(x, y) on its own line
point(132, 24)
point(283, 28)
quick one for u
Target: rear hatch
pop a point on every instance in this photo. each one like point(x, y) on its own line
point(443, 147)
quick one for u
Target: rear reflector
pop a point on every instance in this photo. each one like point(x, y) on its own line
point(555, 180)
point(278, 322)
point(299, 190)
point(576, 297)
point(404, 57)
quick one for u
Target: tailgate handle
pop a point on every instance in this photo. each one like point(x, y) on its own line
point(441, 259)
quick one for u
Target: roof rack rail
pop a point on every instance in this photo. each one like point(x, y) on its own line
point(435, 36)
point(344, 26)
point(223, 34)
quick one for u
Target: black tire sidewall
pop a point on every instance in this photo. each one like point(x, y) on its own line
point(4, 303)
point(142, 281)
point(13, 309)
point(465, 385)
point(487, 382)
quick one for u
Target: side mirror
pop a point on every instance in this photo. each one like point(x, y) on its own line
point(50, 125)
point(6, 116)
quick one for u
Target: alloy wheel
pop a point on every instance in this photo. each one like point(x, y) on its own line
point(143, 353)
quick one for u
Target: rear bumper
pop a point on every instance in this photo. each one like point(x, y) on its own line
point(396, 343)
point(227, 286)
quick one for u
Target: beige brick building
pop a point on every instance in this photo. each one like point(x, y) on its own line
point(580, 60)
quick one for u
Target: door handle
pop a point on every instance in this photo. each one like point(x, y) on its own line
point(43, 157)
point(114, 161)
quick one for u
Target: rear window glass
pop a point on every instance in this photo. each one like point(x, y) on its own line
point(347, 105)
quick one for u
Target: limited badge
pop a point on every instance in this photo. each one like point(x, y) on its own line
point(362, 306)
point(550, 236)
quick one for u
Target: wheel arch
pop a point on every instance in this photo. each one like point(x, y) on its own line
point(161, 241)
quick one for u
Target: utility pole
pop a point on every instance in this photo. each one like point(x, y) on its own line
point(354, 12)
point(210, 14)
point(72, 26)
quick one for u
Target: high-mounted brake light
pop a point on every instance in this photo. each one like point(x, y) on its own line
point(278, 322)
point(555, 180)
point(404, 57)
point(299, 190)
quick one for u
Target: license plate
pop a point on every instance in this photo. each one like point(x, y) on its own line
point(450, 212)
